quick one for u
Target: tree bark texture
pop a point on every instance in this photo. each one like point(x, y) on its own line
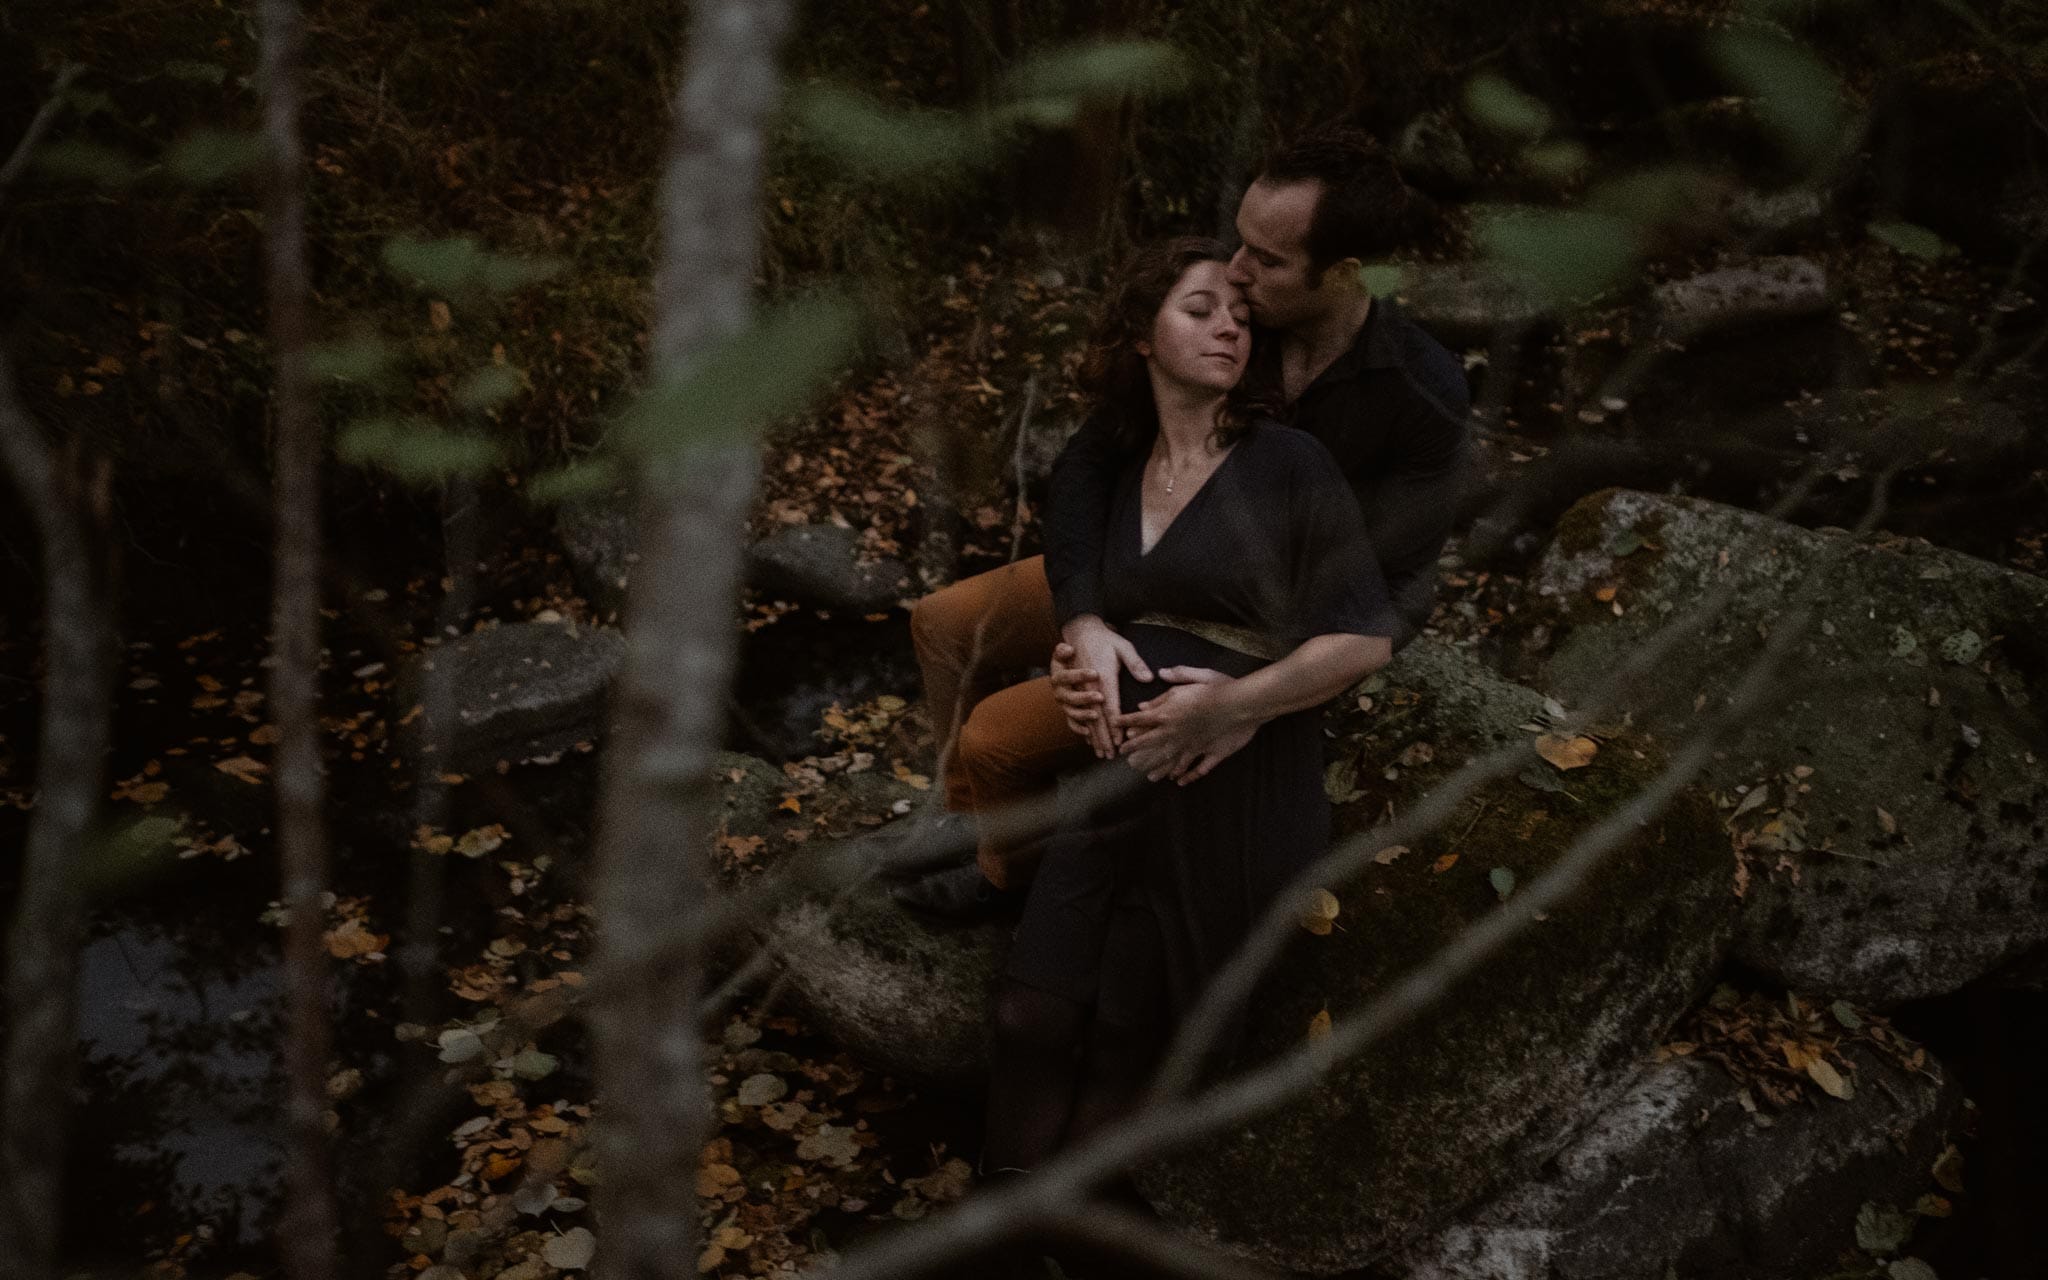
point(693, 502)
point(42, 954)
point(306, 1235)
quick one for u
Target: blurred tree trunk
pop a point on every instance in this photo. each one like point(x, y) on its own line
point(306, 1234)
point(42, 953)
point(694, 497)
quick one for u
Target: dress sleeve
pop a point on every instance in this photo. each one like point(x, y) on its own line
point(1338, 587)
point(1076, 519)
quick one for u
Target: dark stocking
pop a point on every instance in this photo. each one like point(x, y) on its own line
point(1114, 1071)
point(1031, 1082)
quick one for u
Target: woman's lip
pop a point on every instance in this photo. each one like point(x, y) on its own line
point(1220, 355)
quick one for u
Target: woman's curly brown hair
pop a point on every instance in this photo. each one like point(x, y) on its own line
point(1114, 374)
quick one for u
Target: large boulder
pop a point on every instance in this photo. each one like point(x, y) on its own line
point(1899, 847)
point(1496, 1077)
point(515, 691)
point(1678, 1176)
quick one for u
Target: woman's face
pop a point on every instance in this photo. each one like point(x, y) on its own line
point(1201, 336)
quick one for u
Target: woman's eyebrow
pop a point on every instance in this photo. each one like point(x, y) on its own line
point(1210, 294)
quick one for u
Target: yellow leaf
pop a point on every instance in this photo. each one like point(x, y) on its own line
point(1822, 1072)
point(263, 735)
point(350, 939)
point(1796, 1055)
point(1887, 822)
point(1948, 1170)
point(713, 1179)
point(1322, 910)
point(1319, 1026)
point(792, 804)
point(1386, 856)
point(483, 840)
point(243, 767)
point(1567, 753)
point(1443, 864)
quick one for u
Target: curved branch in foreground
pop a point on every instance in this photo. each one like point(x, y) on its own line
point(32, 137)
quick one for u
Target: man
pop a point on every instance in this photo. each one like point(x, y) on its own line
point(1385, 398)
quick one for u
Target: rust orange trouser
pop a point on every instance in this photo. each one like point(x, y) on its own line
point(1007, 744)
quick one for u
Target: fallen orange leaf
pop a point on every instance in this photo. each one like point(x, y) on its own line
point(1567, 753)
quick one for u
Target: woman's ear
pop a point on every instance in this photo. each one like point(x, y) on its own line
point(1144, 350)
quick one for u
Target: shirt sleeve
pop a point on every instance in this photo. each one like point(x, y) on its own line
point(1415, 500)
point(1338, 586)
point(1076, 519)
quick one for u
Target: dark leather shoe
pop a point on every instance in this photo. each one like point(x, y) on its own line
point(958, 894)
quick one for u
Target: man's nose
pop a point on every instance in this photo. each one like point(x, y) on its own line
point(1235, 272)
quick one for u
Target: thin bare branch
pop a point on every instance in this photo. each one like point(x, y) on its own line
point(44, 120)
point(42, 954)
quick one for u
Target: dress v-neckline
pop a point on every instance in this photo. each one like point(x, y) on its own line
point(1193, 498)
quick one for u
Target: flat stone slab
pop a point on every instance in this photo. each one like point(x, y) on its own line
point(1677, 1177)
point(1900, 850)
point(1766, 289)
point(519, 690)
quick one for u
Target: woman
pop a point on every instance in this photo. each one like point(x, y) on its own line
point(1236, 564)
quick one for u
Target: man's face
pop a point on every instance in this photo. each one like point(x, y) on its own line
point(1272, 265)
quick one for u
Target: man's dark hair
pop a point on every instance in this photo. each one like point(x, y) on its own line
point(1364, 210)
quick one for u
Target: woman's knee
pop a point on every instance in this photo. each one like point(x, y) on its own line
point(938, 623)
point(1029, 1020)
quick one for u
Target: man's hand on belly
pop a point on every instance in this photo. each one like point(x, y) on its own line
point(1084, 679)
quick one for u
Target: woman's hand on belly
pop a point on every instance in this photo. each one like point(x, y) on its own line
point(1186, 731)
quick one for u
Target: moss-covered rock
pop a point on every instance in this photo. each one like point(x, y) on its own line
point(1498, 1076)
point(1679, 1177)
point(897, 992)
point(1901, 850)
